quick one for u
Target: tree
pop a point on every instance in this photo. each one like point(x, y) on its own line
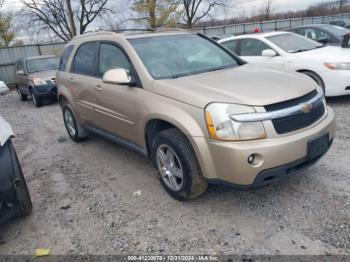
point(1, 3)
point(267, 9)
point(195, 10)
point(156, 13)
point(65, 18)
point(6, 32)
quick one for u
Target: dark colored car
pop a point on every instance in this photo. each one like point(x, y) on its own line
point(36, 77)
point(341, 22)
point(325, 34)
point(14, 196)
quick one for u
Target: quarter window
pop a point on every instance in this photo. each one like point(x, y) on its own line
point(252, 47)
point(112, 57)
point(85, 59)
point(64, 59)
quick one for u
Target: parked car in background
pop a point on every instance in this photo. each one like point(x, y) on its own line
point(328, 66)
point(341, 22)
point(322, 33)
point(14, 196)
point(36, 77)
point(3, 88)
point(197, 110)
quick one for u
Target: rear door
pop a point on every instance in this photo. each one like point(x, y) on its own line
point(251, 49)
point(83, 79)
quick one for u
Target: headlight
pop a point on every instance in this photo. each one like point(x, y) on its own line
point(39, 82)
point(222, 127)
point(338, 66)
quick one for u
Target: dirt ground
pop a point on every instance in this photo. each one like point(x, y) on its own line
point(84, 203)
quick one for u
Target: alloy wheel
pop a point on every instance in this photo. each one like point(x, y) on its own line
point(169, 167)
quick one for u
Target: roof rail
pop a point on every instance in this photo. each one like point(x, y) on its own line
point(92, 34)
point(134, 30)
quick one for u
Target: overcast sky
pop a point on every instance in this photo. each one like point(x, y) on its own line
point(241, 5)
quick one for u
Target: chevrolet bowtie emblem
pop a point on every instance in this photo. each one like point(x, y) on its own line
point(306, 108)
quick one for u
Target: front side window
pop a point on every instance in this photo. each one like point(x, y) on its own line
point(42, 64)
point(181, 55)
point(252, 47)
point(85, 60)
point(112, 57)
point(64, 59)
point(293, 43)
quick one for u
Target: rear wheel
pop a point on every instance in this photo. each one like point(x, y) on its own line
point(21, 96)
point(177, 165)
point(76, 132)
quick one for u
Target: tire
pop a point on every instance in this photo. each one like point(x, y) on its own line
point(22, 193)
point(76, 132)
point(35, 99)
point(173, 142)
point(317, 79)
point(21, 96)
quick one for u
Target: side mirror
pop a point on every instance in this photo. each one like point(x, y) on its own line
point(269, 53)
point(323, 40)
point(117, 76)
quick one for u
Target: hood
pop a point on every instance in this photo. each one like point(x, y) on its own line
point(247, 84)
point(5, 131)
point(327, 54)
point(45, 75)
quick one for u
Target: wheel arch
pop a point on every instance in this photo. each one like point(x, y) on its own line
point(305, 71)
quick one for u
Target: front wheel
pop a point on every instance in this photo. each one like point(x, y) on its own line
point(21, 96)
point(177, 165)
point(35, 99)
point(76, 132)
point(22, 193)
point(317, 79)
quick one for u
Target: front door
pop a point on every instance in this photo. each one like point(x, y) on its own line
point(118, 106)
point(251, 51)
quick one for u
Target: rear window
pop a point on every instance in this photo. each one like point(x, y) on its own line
point(85, 60)
point(64, 59)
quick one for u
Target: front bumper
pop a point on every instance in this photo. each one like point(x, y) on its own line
point(46, 91)
point(227, 162)
point(337, 82)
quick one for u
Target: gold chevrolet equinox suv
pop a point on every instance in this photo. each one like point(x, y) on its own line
point(202, 114)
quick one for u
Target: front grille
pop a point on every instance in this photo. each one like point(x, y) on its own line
point(295, 122)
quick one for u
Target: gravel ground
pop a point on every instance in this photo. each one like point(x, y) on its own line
point(84, 203)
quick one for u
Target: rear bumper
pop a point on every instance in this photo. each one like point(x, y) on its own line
point(284, 155)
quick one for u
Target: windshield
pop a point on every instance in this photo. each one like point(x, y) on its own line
point(293, 43)
point(42, 64)
point(181, 55)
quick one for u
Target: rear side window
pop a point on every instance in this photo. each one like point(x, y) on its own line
point(85, 60)
point(232, 46)
point(112, 57)
point(64, 59)
point(20, 65)
point(252, 47)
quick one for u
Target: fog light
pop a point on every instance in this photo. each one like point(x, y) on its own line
point(255, 160)
point(251, 159)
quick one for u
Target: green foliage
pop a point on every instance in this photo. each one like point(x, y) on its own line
point(6, 32)
point(157, 13)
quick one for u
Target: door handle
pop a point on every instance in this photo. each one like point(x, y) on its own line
point(99, 88)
